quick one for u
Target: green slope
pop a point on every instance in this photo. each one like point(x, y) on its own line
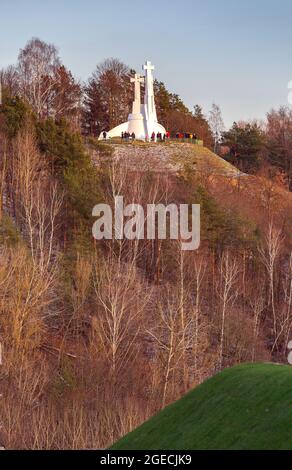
point(244, 407)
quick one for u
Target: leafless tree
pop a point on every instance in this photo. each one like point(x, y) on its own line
point(199, 273)
point(216, 125)
point(227, 292)
point(170, 338)
point(108, 94)
point(121, 298)
point(37, 198)
point(270, 251)
point(9, 80)
point(257, 304)
point(288, 302)
point(284, 317)
point(37, 66)
point(3, 171)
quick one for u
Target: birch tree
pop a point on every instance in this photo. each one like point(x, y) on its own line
point(227, 292)
point(216, 124)
point(270, 251)
point(36, 68)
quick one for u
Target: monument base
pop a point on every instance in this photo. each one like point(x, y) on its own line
point(115, 132)
point(136, 126)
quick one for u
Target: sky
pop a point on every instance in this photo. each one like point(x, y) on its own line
point(236, 53)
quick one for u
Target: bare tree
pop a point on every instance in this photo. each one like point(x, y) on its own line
point(36, 68)
point(182, 309)
point(121, 299)
point(170, 338)
point(288, 301)
point(189, 302)
point(9, 80)
point(227, 292)
point(108, 95)
point(257, 304)
point(199, 273)
point(284, 317)
point(64, 97)
point(216, 125)
point(270, 251)
point(37, 199)
point(3, 172)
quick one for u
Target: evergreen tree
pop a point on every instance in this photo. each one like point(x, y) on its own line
point(245, 142)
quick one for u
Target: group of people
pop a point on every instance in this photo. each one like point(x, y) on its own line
point(186, 135)
point(156, 137)
point(159, 137)
point(127, 136)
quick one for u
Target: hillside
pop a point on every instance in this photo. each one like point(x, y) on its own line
point(120, 298)
point(223, 181)
point(63, 295)
point(171, 156)
point(244, 407)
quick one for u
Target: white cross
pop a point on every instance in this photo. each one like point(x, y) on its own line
point(137, 79)
point(148, 66)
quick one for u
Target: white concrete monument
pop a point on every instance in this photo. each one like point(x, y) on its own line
point(143, 119)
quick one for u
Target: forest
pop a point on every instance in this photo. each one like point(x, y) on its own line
point(97, 336)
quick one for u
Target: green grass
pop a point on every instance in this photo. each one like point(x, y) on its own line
point(244, 407)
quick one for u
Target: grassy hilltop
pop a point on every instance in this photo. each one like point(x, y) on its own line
point(244, 407)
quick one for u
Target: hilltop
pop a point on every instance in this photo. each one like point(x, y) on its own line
point(171, 157)
point(244, 407)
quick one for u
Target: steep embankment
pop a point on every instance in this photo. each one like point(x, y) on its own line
point(245, 407)
point(171, 156)
point(224, 182)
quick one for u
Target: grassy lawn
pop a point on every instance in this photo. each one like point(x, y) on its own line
point(244, 407)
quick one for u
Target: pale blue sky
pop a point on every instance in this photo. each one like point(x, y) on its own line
point(237, 53)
